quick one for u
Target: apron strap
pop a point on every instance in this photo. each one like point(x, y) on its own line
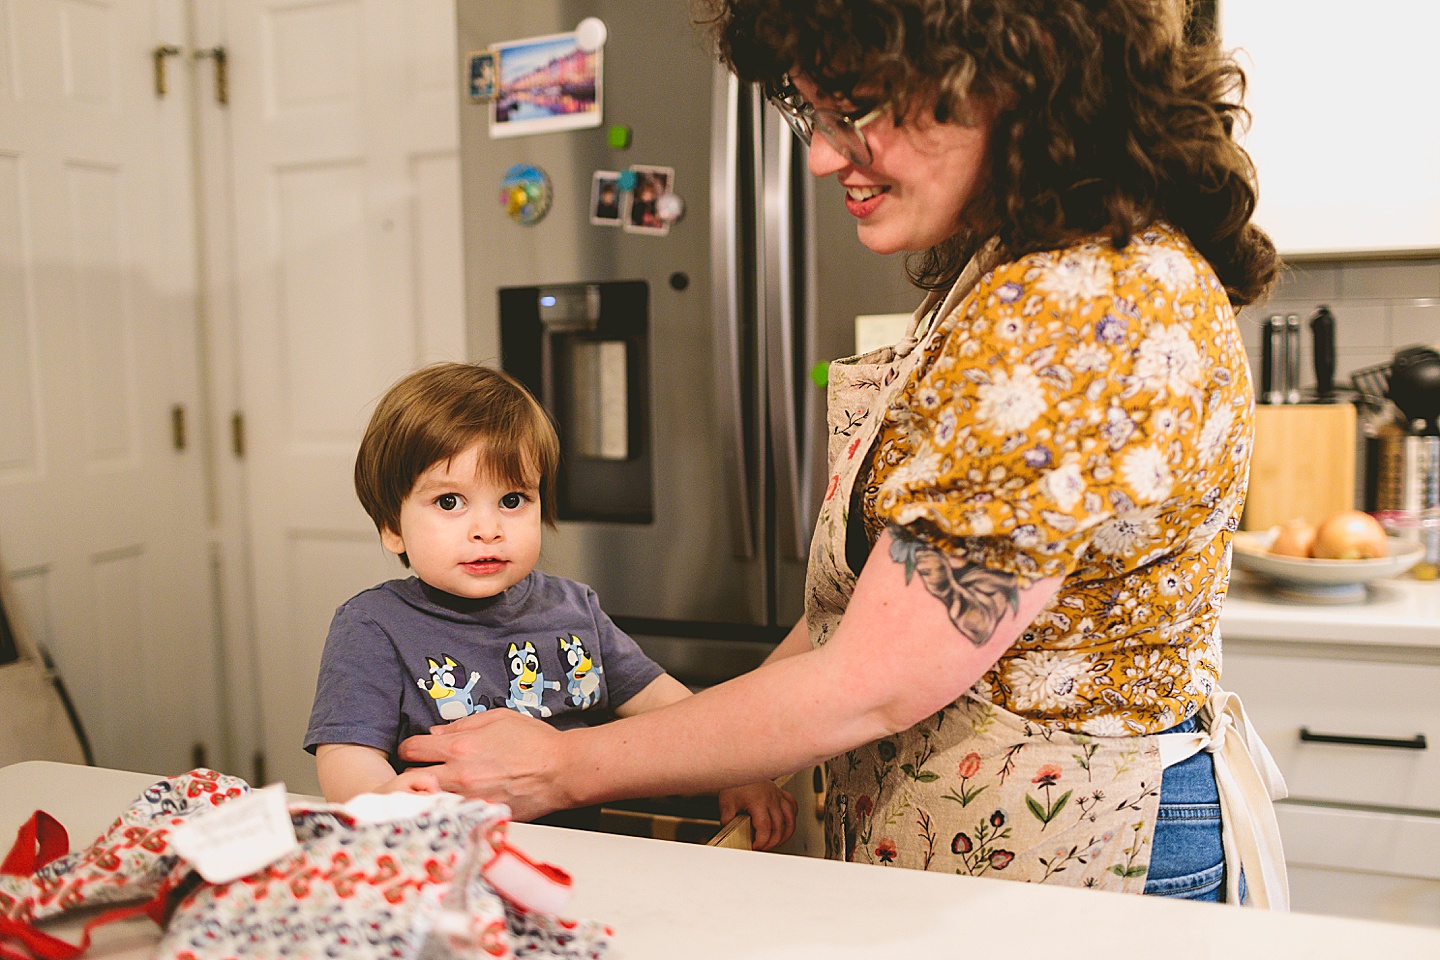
point(1248, 780)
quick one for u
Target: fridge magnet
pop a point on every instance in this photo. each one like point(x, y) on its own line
point(670, 207)
point(642, 213)
point(605, 198)
point(481, 71)
point(525, 193)
point(590, 34)
point(546, 84)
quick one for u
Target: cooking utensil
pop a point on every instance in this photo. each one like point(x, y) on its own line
point(1292, 359)
point(1415, 385)
point(1322, 353)
point(1272, 373)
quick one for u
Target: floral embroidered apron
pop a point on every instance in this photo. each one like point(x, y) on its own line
point(976, 789)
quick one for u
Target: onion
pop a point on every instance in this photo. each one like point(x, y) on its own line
point(1294, 539)
point(1350, 535)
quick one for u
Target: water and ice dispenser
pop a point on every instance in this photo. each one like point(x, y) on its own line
point(583, 350)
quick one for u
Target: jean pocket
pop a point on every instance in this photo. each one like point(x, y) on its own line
point(1201, 885)
point(1188, 855)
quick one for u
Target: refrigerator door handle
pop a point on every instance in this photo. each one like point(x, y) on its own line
point(780, 325)
point(727, 316)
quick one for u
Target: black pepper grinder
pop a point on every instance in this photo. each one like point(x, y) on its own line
point(1322, 332)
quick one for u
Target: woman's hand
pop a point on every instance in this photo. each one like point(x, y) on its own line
point(498, 755)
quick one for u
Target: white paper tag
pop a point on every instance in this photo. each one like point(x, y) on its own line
point(238, 837)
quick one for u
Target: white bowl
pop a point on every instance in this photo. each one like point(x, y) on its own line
point(1322, 581)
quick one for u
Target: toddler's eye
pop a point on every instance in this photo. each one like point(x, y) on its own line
point(512, 501)
point(447, 501)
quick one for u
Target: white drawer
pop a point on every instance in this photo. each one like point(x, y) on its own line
point(1360, 840)
point(1398, 702)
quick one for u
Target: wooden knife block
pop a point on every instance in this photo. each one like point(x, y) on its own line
point(1302, 464)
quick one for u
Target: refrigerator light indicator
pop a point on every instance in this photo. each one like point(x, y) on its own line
point(547, 301)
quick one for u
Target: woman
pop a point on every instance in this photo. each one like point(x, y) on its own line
point(1010, 649)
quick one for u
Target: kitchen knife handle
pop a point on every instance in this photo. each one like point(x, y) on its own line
point(1322, 344)
point(1273, 372)
point(1292, 359)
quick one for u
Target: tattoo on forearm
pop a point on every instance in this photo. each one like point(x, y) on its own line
point(976, 597)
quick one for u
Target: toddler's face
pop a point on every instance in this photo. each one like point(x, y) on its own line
point(465, 532)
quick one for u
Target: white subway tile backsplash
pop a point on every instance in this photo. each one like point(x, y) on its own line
point(1390, 280)
point(1362, 325)
point(1309, 281)
point(1416, 322)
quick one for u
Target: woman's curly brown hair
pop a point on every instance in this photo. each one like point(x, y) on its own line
point(1106, 118)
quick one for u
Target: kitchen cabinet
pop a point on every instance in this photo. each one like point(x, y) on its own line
point(1350, 715)
point(1343, 133)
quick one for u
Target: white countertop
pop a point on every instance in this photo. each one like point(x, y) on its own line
point(667, 900)
point(1397, 613)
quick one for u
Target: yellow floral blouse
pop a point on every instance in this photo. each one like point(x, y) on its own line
point(1085, 413)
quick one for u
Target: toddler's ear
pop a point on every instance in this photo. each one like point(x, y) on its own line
point(392, 541)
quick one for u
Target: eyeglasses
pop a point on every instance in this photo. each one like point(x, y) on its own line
point(841, 130)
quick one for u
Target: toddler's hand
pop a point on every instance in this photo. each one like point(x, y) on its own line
point(771, 810)
point(417, 780)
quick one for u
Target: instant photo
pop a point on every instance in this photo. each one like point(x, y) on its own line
point(607, 200)
point(546, 84)
point(642, 214)
point(482, 73)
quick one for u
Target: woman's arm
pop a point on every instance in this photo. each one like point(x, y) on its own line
point(921, 628)
point(796, 641)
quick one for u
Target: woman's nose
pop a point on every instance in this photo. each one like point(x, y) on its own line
point(825, 159)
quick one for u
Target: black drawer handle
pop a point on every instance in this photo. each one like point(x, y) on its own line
point(1417, 742)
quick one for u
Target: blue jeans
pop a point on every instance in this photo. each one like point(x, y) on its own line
point(1187, 859)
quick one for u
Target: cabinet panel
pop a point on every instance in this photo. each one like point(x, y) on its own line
point(1342, 131)
point(1284, 695)
point(1360, 840)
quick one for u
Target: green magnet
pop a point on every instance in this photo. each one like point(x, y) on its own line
point(618, 136)
point(820, 374)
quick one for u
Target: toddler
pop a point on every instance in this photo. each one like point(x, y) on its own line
point(457, 469)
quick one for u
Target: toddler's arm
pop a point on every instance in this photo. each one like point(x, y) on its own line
point(349, 769)
point(771, 810)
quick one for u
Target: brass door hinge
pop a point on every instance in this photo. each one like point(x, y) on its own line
point(222, 71)
point(177, 426)
point(158, 55)
point(237, 434)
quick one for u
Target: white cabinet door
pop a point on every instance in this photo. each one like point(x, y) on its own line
point(347, 275)
point(102, 519)
point(1344, 138)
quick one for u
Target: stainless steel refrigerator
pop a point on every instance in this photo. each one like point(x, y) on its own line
point(678, 367)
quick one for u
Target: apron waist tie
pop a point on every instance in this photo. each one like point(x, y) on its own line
point(1248, 780)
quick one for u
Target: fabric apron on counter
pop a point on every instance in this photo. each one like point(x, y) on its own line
point(977, 790)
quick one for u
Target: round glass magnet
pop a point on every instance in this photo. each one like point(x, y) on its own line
point(590, 34)
point(525, 192)
point(669, 207)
